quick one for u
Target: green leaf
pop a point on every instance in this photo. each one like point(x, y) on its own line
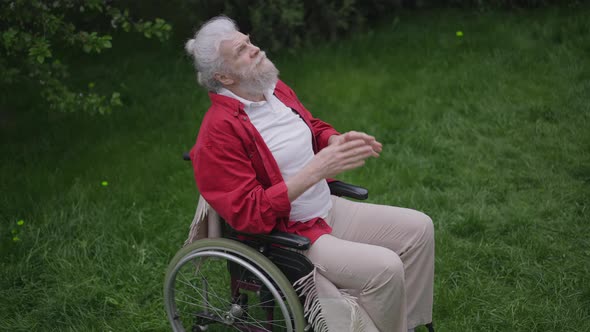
point(8, 37)
point(30, 28)
point(116, 100)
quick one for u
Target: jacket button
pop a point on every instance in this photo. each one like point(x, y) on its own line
point(236, 113)
point(245, 118)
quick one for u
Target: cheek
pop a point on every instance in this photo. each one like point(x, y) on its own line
point(242, 62)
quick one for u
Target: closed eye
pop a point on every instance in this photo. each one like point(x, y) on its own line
point(243, 45)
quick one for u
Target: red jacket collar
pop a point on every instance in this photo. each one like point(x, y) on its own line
point(229, 104)
point(232, 105)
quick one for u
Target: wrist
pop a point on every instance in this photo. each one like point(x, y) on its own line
point(312, 173)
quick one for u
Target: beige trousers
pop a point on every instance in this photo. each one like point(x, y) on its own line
point(383, 256)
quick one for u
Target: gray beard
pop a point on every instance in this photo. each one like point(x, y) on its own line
point(256, 81)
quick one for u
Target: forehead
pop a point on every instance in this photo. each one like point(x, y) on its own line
point(227, 47)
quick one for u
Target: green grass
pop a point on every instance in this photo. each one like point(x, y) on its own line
point(489, 134)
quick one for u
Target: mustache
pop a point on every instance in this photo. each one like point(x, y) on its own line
point(261, 57)
point(255, 69)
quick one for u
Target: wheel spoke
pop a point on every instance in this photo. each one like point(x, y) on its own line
point(258, 321)
point(199, 290)
point(217, 311)
point(188, 283)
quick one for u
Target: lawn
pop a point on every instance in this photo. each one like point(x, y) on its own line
point(488, 133)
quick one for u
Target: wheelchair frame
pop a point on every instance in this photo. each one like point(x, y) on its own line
point(266, 265)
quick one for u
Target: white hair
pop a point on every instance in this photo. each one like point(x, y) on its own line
point(204, 49)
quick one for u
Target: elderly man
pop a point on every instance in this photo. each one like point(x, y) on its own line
point(261, 161)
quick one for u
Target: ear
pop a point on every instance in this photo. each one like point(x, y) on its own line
point(224, 79)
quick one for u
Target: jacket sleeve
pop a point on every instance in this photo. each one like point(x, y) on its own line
point(321, 130)
point(227, 180)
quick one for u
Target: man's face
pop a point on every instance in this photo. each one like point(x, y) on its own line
point(246, 61)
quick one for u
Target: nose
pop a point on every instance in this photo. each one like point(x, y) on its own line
point(254, 51)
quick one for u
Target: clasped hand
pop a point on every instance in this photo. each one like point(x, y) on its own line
point(345, 152)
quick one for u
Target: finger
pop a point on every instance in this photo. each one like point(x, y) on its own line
point(378, 147)
point(353, 165)
point(372, 150)
point(367, 138)
point(351, 145)
point(358, 149)
point(363, 151)
point(351, 135)
point(364, 155)
point(348, 163)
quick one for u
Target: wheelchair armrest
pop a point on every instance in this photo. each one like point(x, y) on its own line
point(292, 241)
point(339, 188)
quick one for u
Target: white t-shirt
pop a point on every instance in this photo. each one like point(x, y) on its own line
point(289, 139)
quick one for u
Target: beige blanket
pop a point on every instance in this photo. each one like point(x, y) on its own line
point(327, 308)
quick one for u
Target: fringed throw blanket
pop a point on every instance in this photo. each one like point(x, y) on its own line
point(206, 223)
point(327, 308)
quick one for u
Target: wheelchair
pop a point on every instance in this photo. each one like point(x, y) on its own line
point(241, 282)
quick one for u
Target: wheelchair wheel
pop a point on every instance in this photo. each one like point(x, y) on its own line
point(224, 285)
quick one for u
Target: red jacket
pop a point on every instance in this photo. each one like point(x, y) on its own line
point(237, 174)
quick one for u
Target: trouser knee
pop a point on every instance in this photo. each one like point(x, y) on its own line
point(425, 228)
point(388, 269)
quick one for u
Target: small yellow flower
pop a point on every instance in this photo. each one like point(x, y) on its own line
point(15, 239)
point(91, 85)
point(104, 183)
point(20, 222)
point(459, 33)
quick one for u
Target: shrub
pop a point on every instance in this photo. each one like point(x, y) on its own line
point(500, 3)
point(286, 24)
point(276, 24)
point(34, 33)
